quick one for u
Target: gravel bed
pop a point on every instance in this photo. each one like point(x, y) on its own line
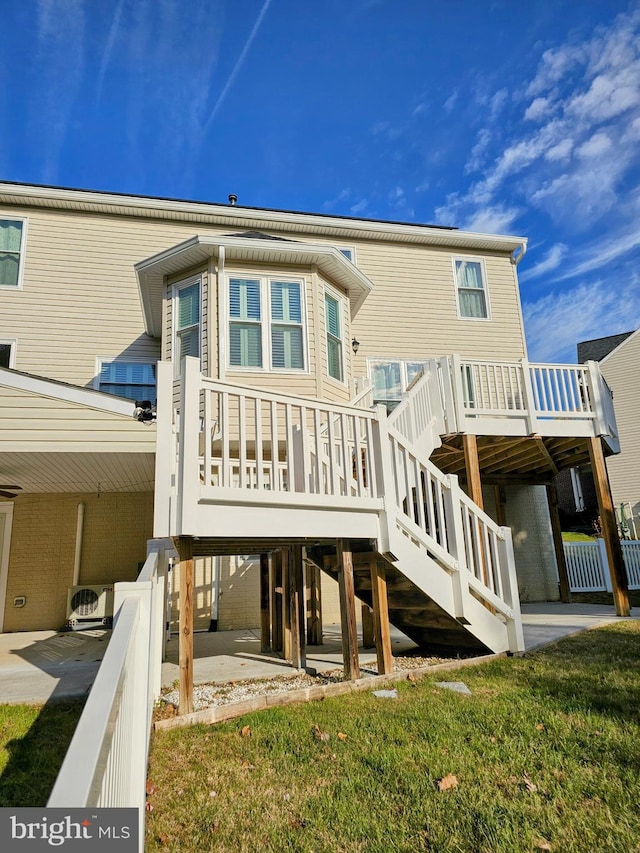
point(226, 693)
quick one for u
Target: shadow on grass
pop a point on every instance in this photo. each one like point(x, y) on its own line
point(36, 757)
point(591, 672)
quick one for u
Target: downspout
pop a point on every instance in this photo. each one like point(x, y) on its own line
point(222, 314)
point(78, 551)
point(515, 259)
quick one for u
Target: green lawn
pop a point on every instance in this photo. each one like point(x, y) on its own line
point(545, 755)
point(577, 537)
point(33, 742)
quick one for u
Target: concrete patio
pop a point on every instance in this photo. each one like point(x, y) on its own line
point(45, 665)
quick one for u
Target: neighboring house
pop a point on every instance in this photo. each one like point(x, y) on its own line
point(619, 359)
point(256, 330)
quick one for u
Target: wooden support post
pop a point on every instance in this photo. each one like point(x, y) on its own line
point(556, 530)
point(381, 618)
point(500, 501)
point(314, 621)
point(368, 635)
point(265, 616)
point(286, 609)
point(296, 607)
point(472, 467)
point(474, 490)
point(185, 650)
point(277, 637)
point(348, 610)
point(617, 568)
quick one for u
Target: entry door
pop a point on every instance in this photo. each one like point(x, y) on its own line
point(6, 517)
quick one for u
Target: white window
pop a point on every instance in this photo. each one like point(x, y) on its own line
point(471, 287)
point(135, 380)
point(333, 324)
point(390, 378)
point(266, 324)
point(186, 320)
point(7, 353)
point(348, 252)
point(12, 236)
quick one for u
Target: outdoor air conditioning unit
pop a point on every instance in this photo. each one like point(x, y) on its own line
point(90, 604)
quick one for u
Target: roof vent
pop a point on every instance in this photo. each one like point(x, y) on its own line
point(233, 198)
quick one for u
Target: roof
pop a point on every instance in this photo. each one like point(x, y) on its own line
point(259, 248)
point(597, 348)
point(253, 218)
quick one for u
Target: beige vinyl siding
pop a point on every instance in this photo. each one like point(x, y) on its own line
point(412, 310)
point(79, 276)
point(36, 423)
point(116, 529)
point(620, 369)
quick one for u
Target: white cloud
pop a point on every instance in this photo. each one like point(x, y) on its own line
point(560, 151)
point(538, 108)
point(585, 110)
point(556, 322)
point(551, 261)
point(491, 220)
point(359, 207)
point(594, 147)
point(450, 103)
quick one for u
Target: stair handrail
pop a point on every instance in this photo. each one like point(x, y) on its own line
point(454, 531)
point(419, 415)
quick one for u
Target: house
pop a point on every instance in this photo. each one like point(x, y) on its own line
point(616, 355)
point(324, 387)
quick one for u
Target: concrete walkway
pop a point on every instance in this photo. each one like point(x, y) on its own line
point(43, 665)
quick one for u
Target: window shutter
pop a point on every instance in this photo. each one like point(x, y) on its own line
point(286, 347)
point(245, 348)
point(332, 310)
point(285, 301)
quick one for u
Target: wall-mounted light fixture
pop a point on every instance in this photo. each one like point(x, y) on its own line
point(355, 345)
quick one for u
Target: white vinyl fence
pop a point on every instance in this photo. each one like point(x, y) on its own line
point(588, 567)
point(106, 764)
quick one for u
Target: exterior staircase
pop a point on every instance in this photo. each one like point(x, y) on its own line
point(257, 466)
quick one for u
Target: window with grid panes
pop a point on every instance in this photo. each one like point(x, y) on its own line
point(266, 324)
point(11, 247)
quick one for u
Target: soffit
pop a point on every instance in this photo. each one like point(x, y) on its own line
point(199, 249)
point(78, 472)
point(342, 228)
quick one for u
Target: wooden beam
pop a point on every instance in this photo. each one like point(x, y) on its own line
point(265, 615)
point(544, 452)
point(314, 619)
point(185, 642)
point(556, 530)
point(617, 568)
point(368, 634)
point(500, 500)
point(277, 637)
point(286, 609)
point(348, 610)
point(472, 466)
point(296, 607)
point(381, 630)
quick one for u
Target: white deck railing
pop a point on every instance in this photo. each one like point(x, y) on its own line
point(106, 763)
point(547, 399)
point(588, 567)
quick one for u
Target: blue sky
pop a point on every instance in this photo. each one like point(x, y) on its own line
point(509, 116)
